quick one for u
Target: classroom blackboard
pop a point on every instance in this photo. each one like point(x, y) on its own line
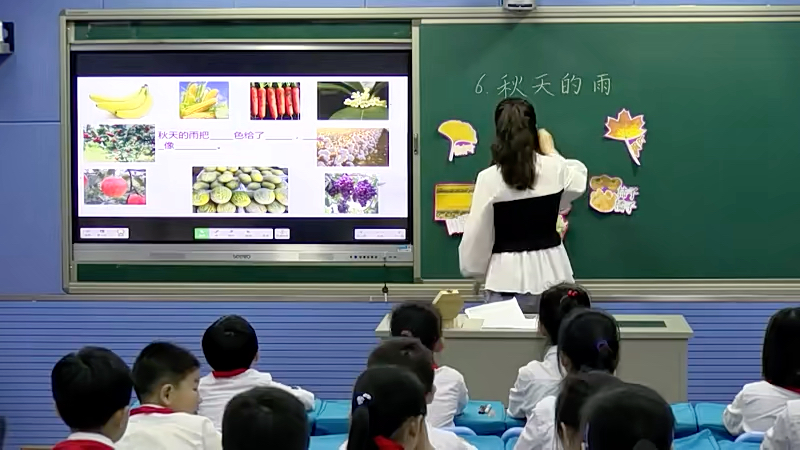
point(719, 172)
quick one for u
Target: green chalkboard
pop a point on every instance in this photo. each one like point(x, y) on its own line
point(719, 181)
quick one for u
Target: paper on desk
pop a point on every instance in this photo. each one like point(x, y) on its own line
point(456, 226)
point(506, 314)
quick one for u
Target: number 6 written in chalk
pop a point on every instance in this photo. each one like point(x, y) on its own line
point(478, 86)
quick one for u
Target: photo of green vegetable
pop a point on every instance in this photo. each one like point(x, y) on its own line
point(119, 143)
point(353, 100)
point(253, 190)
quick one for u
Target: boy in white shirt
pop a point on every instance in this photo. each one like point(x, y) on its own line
point(423, 321)
point(165, 378)
point(92, 390)
point(409, 353)
point(230, 346)
point(265, 417)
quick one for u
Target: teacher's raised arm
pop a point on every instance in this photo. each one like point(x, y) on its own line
point(510, 239)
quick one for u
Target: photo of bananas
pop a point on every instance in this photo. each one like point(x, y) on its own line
point(204, 100)
point(133, 106)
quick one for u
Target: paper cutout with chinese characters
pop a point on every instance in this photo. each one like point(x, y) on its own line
point(629, 130)
point(463, 137)
point(451, 200)
point(611, 195)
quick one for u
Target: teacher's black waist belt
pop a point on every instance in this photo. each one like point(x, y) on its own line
point(527, 224)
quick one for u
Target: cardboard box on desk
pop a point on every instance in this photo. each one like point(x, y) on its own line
point(450, 303)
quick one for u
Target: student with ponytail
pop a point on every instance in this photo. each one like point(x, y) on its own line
point(629, 417)
point(510, 239)
point(539, 379)
point(588, 342)
point(388, 411)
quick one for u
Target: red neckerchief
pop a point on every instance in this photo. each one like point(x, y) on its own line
point(387, 444)
point(435, 366)
point(80, 444)
point(150, 410)
point(796, 390)
point(228, 373)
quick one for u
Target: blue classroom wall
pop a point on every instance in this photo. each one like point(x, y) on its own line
point(320, 346)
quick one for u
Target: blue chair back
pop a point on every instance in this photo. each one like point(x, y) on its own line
point(511, 433)
point(460, 431)
point(753, 436)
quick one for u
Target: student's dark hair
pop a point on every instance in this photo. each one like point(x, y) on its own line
point(557, 302)
point(230, 343)
point(576, 389)
point(383, 399)
point(416, 319)
point(89, 387)
point(265, 417)
point(160, 363)
point(780, 358)
point(590, 339)
point(408, 353)
point(631, 416)
point(516, 142)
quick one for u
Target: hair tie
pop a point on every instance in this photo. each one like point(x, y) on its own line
point(361, 400)
point(601, 343)
point(572, 293)
point(386, 444)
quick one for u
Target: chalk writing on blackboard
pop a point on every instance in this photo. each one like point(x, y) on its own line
point(541, 85)
point(603, 84)
point(510, 88)
point(571, 84)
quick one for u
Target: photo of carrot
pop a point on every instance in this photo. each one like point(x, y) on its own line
point(288, 92)
point(281, 100)
point(296, 98)
point(262, 101)
point(271, 100)
point(253, 100)
point(273, 103)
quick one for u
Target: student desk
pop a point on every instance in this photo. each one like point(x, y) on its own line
point(654, 352)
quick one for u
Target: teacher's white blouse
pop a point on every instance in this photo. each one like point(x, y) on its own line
point(522, 272)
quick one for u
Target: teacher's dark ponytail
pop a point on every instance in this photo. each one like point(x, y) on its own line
point(589, 340)
point(384, 398)
point(516, 142)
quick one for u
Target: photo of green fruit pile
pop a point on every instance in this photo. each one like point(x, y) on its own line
point(254, 190)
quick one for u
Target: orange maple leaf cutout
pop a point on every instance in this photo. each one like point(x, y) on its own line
point(625, 127)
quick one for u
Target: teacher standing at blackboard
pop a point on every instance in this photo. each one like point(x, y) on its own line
point(510, 239)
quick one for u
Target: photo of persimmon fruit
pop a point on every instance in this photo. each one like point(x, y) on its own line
point(114, 187)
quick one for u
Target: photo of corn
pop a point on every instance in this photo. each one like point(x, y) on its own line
point(203, 100)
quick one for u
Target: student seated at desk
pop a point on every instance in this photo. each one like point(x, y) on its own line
point(410, 354)
point(785, 434)
point(423, 321)
point(165, 377)
point(388, 411)
point(629, 417)
point(588, 342)
point(230, 346)
point(757, 405)
point(92, 390)
point(539, 379)
point(265, 417)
